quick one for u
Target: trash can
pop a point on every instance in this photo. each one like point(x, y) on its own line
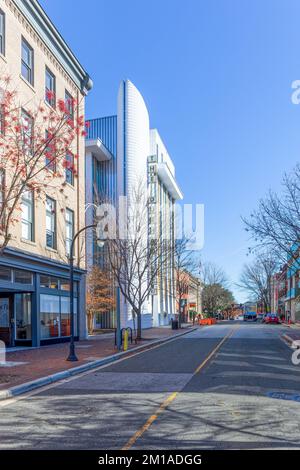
point(174, 324)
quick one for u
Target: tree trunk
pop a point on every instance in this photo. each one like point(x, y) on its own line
point(179, 312)
point(139, 326)
point(90, 322)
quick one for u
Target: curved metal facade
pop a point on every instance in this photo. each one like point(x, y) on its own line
point(133, 138)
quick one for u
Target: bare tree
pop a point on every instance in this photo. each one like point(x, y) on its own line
point(215, 295)
point(275, 225)
point(213, 274)
point(256, 278)
point(135, 257)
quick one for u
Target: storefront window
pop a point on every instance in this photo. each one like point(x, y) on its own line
point(55, 316)
point(23, 277)
point(49, 316)
point(5, 274)
point(65, 317)
point(49, 282)
point(23, 316)
point(65, 285)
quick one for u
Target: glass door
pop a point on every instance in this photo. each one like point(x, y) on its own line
point(6, 319)
point(23, 317)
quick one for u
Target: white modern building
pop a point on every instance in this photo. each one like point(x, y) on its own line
point(138, 152)
point(164, 191)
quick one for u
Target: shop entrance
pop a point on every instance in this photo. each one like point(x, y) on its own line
point(7, 319)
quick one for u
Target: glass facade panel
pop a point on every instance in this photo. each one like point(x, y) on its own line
point(23, 316)
point(49, 316)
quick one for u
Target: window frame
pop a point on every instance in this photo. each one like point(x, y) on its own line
point(29, 67)
point(30, 223)
point(53, 214)
point(72, 225)
point(2, 35)
point(69, 105)
point(52, 102)
point(49, 164)
point(30, 136)
point(70, 171)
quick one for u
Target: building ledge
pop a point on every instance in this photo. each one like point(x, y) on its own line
point(98, 149)
point(169, 181)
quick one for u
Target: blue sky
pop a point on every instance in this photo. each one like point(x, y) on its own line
point(216, 77)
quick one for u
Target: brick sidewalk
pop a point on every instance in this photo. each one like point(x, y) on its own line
point(47, 360)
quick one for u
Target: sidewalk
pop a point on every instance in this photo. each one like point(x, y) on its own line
point(28, 365)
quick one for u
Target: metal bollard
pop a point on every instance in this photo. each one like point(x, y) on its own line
point(125, 340)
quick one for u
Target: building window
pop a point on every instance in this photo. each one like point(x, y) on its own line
point(69, 103)
point(27, 130)
point(50, 223)
point(69, 229)
point(69, 170)
point(50, 157)
point(2, 33)
point(27, 62)
point(27, 215)
point(50, 87)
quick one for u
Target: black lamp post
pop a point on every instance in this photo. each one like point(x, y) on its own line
point(72, 356)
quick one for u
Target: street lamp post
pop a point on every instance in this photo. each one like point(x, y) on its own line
point(72, 356)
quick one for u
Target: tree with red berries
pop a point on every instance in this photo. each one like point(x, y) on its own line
point(36, 142)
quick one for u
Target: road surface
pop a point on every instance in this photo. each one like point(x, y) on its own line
point(228, 386)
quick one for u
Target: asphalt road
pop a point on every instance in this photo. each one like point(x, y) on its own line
point(228, 386)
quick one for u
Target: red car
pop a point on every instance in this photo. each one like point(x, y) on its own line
point(271, 318)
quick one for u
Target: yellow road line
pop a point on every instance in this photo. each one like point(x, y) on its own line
point(172, 397)
point(148, 423)
point(214, 351)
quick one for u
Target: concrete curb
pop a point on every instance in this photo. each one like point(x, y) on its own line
point(34, 384)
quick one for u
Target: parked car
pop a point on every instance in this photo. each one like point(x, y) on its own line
point(250, 316)
point(240, 317)
point(271, 318)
